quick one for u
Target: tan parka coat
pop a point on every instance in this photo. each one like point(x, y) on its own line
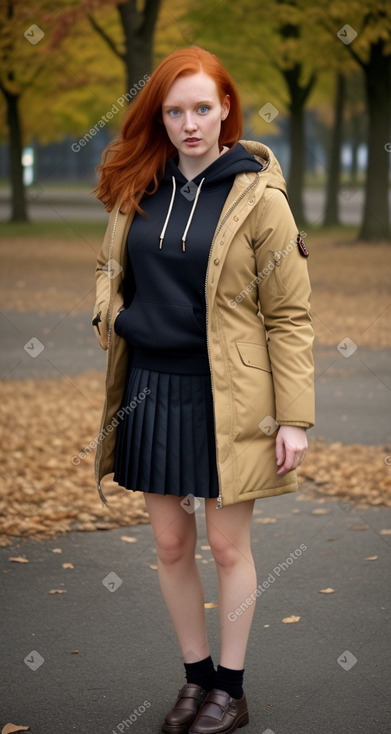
point(259, 333)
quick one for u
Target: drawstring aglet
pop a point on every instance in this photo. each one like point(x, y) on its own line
point(160, 243)
point(183, 245)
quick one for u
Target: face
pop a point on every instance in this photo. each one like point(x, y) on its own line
point(192, 115)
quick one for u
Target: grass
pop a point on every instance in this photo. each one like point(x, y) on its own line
point(69, 230)
point(55, 185)
point(73, 229)
point(52, 265)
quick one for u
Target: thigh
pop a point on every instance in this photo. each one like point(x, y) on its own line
point(169, 518)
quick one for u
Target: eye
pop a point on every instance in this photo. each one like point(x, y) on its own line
point(173, 113)
point(203, 109)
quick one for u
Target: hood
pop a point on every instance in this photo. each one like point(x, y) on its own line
point(271, 169)
point(245, 156)
point(236, 160)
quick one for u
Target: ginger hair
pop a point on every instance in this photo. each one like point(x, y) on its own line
point(134, 162)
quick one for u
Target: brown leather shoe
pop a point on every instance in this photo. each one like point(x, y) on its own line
point(179, 719)
point(220, 714)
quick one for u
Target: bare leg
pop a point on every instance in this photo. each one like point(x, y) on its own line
point(229, 538)
point(175, 534)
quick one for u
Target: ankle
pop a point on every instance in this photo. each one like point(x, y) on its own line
point(230, 681)
point(201, 673)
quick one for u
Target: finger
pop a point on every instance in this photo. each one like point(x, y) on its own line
point(288, 461)
point(292, 460)
point(280, 451)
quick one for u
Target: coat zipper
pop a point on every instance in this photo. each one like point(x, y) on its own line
point(108, 323)
point(218, 230)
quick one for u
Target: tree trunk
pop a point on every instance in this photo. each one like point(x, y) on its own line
point(354, 163)
point(295, 181)
point(298, 97)
point(331, 215)
point(18, 194)
point(139, 28)
point(376, 218)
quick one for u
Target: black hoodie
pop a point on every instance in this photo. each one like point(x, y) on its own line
point(165, 308)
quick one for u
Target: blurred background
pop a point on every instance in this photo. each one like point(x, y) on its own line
point(315, 83)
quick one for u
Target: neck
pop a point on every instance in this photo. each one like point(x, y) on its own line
point(191, 167)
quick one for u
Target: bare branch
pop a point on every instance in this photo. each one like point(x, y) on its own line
point(105, 37)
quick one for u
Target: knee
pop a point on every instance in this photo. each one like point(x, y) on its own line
point(173, 548)
point(224, 551)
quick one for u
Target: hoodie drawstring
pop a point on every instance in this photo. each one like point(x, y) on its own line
point(165, 225)
point(191, 216)
point(163, 232)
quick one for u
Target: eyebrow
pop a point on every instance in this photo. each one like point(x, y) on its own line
point(201, 102)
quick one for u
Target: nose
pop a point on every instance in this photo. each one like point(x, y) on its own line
point(190, 123)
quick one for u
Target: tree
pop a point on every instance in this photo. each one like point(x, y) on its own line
point(368, 42)
point(331, 215)
point(56, 78)
point(138, 25)
point(21, 63)
point(292, 69)
point(282, 67)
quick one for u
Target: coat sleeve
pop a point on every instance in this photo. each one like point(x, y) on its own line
point(102, 274)
point(284, 295)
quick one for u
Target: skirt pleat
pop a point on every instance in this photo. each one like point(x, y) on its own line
point(166, 443)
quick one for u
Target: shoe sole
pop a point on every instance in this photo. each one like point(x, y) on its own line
point(171, 729)
point(244, 719)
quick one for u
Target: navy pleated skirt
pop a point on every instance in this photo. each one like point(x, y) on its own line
point(166, 441)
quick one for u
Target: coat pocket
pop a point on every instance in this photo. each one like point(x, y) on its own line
point(100, 326)
point(254, 355)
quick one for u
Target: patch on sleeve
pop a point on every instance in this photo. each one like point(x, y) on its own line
point(302, 248)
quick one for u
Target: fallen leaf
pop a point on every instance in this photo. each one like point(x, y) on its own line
point(129, 539)
point(74, 652)
point(198, 555)
point(56, 550)
point(153, 566)
point(57, 591)
point(67, 565)
point(320, 511)
point(385, 531)
point(329, 590)
point(371, 558)
point(205, 547)
point(210, 605)
point(358, 527)
point(290, 620)
point(19, 559)
point(265, 520)
point(11, 728)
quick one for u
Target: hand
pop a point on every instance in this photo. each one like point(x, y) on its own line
point(291, 448)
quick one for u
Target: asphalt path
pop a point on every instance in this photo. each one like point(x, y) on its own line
point(69, 205)
point(102, 658)
point(353, 393)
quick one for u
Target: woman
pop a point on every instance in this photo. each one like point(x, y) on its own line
point(203, 306)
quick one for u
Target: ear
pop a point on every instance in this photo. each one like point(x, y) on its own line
point(225, 107)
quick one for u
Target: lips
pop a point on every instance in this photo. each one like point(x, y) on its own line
point(192, 140)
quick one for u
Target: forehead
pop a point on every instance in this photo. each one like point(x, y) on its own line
point(192, 88)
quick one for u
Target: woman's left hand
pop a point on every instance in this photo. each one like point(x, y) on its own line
point(291, 448)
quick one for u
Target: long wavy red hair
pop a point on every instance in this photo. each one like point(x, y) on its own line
point(133, 163)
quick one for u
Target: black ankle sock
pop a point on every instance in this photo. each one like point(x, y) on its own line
point(230, 681)
point(201, 673)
